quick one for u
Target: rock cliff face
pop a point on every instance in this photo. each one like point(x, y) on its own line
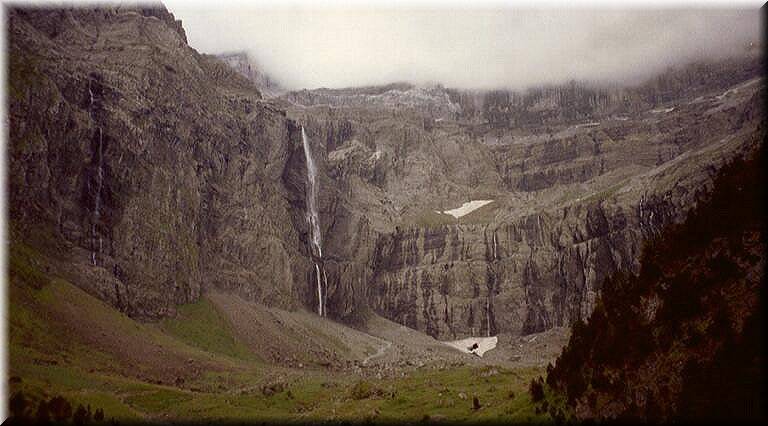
point(248, 68)
point(575, 101)
point(160, 172)
point(574, 203)
point(689, 324)
point(159, 168)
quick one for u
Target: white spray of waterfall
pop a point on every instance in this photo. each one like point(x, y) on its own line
point(494, 246)
point(312, 216)
point(313, 219)
point(319, 292)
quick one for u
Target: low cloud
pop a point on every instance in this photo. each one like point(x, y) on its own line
point(484, 48)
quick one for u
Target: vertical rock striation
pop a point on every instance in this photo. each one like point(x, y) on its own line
point(159, 169)
point(159, 172)
point(575, 203)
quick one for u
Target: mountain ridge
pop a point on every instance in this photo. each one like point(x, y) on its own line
point(573, 201)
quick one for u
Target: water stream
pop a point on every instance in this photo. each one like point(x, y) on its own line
point(96, 249)
point(494, 246)
point(316, 239)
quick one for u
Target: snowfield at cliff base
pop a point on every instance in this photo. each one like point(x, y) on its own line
point(484, 344)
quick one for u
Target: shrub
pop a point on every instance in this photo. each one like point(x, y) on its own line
point(18, 405)
point(364, 390)
point(81, 416)
point(43, 413)
point(536, 389)
point(60, 409)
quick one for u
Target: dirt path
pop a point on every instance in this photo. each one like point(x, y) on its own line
point(380, 352)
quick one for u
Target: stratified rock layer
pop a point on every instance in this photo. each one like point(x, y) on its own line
point(574, 201)
point(192, 191)
point(161, 172)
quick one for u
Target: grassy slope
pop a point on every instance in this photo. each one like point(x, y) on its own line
point(53, 352)
point(200, 325)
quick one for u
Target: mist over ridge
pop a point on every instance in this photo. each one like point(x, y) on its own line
point(467, 48)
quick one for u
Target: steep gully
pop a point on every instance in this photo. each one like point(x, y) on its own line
point(96, 247)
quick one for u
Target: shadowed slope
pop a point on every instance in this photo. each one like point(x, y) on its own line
point(683, 339)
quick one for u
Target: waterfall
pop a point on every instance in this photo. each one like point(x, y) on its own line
point(97, 202)
point(319, 292)
point(488, 298)
point(97, 249)
point(494, 246)
point(312, 216)
point(316, 240)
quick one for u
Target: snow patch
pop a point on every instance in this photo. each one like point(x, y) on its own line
point(735, 90)
point(662, 110)
point(474, 345)
point(590, 124)
point(466, 208)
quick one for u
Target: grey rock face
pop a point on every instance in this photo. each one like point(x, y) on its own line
point(574, 203)
point(248, 68)
point(164, 172)
point(186, 162)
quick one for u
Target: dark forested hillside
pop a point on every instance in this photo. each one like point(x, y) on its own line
point(682, 340)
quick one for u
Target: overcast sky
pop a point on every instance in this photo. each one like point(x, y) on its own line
point(304, 46)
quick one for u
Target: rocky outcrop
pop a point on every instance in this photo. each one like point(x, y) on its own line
point(431, 101)
point(579, 102)
point(584, 200)
point(160, 172)
point(159, 169)
point(688, 325)
point(248, 68)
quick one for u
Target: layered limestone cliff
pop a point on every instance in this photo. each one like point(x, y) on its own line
point(573, 203)
point(150, 172)
point(158, 171)
point(248, 68)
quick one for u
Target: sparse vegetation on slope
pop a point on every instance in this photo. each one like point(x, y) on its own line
point(682, 340)
point(67, 344)
point(200, 325)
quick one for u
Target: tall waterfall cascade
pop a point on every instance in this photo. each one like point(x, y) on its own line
point(488, 298)
point(96, 248)
point(315, 237)
point(495, 257)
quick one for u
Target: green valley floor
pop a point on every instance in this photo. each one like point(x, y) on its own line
point(225, 359)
